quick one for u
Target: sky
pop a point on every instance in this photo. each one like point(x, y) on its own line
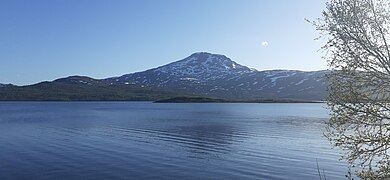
point(43, 40)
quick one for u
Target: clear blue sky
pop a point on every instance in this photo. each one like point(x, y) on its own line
point(47, 39)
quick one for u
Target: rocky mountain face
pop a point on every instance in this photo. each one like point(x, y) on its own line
point(213, 75)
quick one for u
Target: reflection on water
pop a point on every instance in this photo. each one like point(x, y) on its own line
point(142, 140)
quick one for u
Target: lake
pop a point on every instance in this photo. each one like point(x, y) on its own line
point(145, 140)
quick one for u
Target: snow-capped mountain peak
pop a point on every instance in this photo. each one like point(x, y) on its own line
point(202, 64)
point(216, 75)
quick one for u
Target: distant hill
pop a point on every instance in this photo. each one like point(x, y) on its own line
point(6, 85)
point(64, 91)
point(201, 74)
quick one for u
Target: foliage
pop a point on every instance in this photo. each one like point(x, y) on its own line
point(191, 100)
point(359, 86)
point(56, 91)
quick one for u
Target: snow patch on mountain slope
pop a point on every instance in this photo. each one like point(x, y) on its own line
point(301, 81)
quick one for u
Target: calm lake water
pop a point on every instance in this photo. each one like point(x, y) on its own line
point(144, 140)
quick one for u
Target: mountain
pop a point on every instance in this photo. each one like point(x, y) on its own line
point(217, 76)
point(5, 85)
point(201, 74)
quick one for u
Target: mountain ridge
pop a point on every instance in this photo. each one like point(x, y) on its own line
point(200, 74)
